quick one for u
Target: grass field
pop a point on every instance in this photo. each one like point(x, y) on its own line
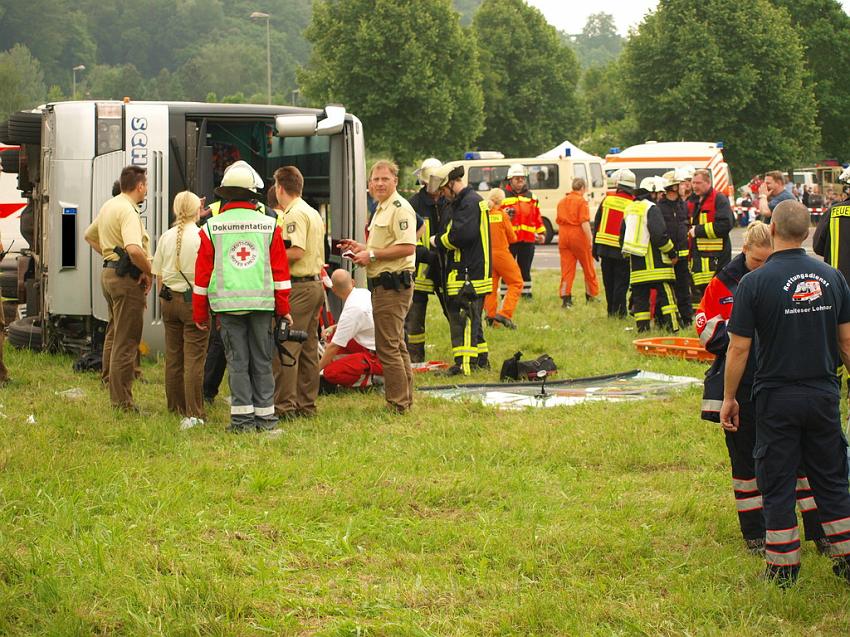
point(599, 519)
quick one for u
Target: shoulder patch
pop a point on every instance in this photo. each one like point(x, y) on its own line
point(403, 224)
point(726, 300)
point(290, 228)
point(397, 203)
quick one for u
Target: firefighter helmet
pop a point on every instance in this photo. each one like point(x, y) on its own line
point(240, 180)
point(844, 177)
point(653, 184)
point(687, 172)
point(424, 171)
point(517, 170)
point(623, 177)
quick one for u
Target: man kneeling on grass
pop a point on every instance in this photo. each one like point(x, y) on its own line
point(349, 359)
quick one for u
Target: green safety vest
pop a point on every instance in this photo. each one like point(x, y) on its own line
point(242, 274)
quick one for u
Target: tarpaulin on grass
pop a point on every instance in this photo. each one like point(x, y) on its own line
point(625, 386)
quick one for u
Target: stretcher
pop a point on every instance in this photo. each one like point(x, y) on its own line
point(677, 346)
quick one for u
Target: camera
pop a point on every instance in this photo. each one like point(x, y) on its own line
point(285, 333)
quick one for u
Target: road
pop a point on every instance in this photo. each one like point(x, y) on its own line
point(546, 257)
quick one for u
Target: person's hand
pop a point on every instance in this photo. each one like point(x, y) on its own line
point(674, 260)
point(763, 189)
point(328, 332)
point(361, 257)
point(350, 244)
point(288, 318)
point(145, 282)
point(434, 241)
point(692, 231)
point(202, 326)
point(729, 414)
point(540, 238)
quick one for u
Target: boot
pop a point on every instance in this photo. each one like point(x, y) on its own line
point(567, 301)
point(483, 361)
point(590, 299)
point(503, 320)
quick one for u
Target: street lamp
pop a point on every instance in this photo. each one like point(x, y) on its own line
point(296, 96)
point(259, 15)
point(74, 70)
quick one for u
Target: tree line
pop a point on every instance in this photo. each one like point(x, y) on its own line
point(442, 77)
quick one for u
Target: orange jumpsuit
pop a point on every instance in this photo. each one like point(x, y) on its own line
point(504, 266)
point(574, 245)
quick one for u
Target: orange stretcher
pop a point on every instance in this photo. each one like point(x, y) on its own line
point(687, 348)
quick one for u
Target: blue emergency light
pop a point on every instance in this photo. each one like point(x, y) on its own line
point(472, 155)
point(614, 150)
point(568, 151)
point(719, 144)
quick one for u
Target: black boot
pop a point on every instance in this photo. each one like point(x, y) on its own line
point(590, 299)
point(503, 320)
point(483, 361)
point(567, 301)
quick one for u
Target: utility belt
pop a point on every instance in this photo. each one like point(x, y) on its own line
point(123, 266)
point(303, 279)
point(167, 294)
point(392, 280)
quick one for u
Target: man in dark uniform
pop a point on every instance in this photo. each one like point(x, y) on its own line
point(675, 212)
point(799, 310)
point(832, 237)
point(606, 241)
point(711, 248)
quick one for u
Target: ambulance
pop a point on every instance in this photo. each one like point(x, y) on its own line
point(656, 158)
point(73, 152)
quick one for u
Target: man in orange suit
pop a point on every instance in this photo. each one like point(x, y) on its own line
point(574, 243)
point(504, 266)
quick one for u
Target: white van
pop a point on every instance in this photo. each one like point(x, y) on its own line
point(548, 179)
point(76, 150)
point(656, 158)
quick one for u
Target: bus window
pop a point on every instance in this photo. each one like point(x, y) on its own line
point(597, 180)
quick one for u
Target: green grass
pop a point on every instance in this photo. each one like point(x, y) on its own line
point(600, 519)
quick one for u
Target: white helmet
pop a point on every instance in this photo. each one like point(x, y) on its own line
point(844, 177)
point(239, 177)
point(623, 177)
point(653, 184)
point(424, 171)
point(517, 170)
point(687, 172)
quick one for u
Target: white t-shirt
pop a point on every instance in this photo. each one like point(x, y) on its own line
point(164, 263)
point(355, 320)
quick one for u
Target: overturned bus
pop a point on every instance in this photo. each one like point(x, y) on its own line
point(72, 153)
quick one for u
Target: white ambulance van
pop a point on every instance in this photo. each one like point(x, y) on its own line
point(72, 153)
point(656, 158)
point(548, 179)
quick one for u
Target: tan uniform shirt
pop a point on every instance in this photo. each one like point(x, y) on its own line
point(303, 228)
point(118, 224)
point(394, 223)
point(165, 263)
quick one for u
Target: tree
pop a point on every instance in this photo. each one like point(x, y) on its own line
point(598, 43)
point(112, 83)
point(824, 28)
point(719, 70)
point(530, 78)
point(407, 70)
point(22, 81)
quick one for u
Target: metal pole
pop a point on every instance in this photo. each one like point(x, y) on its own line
point(268, 59)
point(74, 72)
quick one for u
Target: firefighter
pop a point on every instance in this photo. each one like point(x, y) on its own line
point(652, 256)
point(463, 244)
point(502, 236)
point(606, 241)
point(427, 267)
point(832, 237)
point(712, 220)
point(711, 319)
point(798, 308)
point(675, 212)
point(527, 221)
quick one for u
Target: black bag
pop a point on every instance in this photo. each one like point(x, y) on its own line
point(516, 369)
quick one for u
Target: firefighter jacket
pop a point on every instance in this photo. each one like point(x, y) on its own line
point(241, 264)
point(832, 237)
point(676, 219)
point(646, 243)
point(427, 265)
point(713, 314)
point(526, 217)
point(607, 222)
point(463, 241)
point(712, 248)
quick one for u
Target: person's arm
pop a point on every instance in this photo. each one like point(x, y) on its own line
point(510, 235)
point(819, 241)
point(92, 237)
point(203, 273)
point(723, 222)
point(764, 208)
point(280, 275)
point(393, 252)
point(585, 226)
point(463, 229)
point(297, 236)
point(658, 231)
point(331, 350)
point(736, 362)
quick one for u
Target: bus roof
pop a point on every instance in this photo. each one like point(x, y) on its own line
point(691, 152)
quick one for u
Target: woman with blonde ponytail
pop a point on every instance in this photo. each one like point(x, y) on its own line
point(185, 344)
point(711, 319)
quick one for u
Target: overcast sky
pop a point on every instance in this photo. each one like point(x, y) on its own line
point(570, 15)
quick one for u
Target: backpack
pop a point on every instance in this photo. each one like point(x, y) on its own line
point(516, 369)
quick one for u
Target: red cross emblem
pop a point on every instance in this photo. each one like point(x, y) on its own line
point(243, 254)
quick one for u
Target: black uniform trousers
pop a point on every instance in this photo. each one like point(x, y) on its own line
point(523, 252)
point(797, 425)
point(682, 288)
point(469, 348)
point(615, 279)
point(748, 498)
point(414, 327)
point(215, 364)
point(666, 312)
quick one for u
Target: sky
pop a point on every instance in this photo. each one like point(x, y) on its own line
point(570, 15)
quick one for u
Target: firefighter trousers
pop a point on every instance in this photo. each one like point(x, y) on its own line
point(797, 425)
point(469, 348)
point(573, 247)
point(504, 269)
point(615, 279)
point(682, 288)
point(748, 499)
point(524, 253)
point(666, 312)
point(414, 327)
